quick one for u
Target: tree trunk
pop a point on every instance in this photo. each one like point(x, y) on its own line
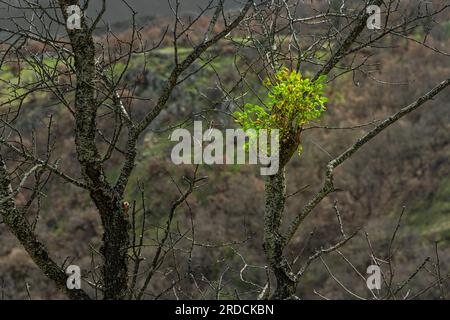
point(273, 241)
point(107, 200)
point(114, 249)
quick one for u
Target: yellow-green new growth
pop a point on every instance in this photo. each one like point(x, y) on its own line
point(292, 102)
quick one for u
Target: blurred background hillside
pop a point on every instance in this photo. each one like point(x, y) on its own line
point(406, 166)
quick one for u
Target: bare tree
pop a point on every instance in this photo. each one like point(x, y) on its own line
point(92, 89)
point(276, 37)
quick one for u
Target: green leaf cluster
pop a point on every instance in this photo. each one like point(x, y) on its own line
point(292, 102)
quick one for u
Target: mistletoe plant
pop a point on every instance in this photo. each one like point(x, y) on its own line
point(292, 102)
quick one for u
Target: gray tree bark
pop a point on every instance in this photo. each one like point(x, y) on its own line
point(107, 200)
point(20, 227)
point(273, 240)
